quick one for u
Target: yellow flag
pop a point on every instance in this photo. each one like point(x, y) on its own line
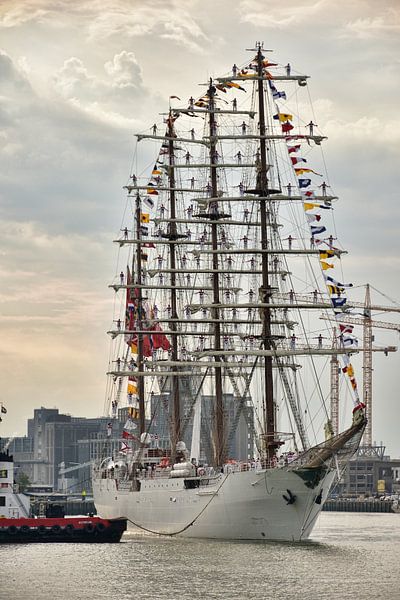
point(132, 387)
point(326, 265)
point(326, 253)
point(145, 218)
point(310, 205)
point(133, 348)
point(285, 117)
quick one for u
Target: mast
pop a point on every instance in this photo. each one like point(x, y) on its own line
point(138, 280)
point(172, 235)
point(265, 292)
point(219, 440)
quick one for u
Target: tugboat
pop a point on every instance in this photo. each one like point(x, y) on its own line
point(16, 525)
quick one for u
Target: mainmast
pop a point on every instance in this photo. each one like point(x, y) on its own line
point(270, 444)
point(138, 281)
point(172, 235)
point(220, 449)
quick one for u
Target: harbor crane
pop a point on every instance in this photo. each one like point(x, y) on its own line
point(368, 324)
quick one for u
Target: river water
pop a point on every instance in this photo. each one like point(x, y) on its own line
point(350, 555)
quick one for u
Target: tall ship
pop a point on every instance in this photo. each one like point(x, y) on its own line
point(221, 370)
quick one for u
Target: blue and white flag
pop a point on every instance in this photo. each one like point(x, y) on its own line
point(148, 202)
point(316, 230)
point(338, 302)
point(334, 282)
point(275, 94)
point(303, 183)
point(349, 341)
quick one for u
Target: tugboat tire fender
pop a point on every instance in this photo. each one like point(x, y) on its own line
point(56, 529)
point(100, 527)
point(69, 528)
point(89, 528)
point(12, 529)
point(25, 529)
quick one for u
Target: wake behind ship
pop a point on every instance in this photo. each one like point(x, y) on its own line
point(217, 347)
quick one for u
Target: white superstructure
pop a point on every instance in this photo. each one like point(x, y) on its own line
point(12, 504)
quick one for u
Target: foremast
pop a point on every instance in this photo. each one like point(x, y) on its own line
point(219, 437)
point(269, 420)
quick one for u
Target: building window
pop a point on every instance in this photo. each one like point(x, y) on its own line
point(3, 473)
point(2, 500)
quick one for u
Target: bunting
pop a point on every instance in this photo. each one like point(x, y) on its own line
point(315, 230)
point(311, 205)
point(304, 183)
point(301, 171)
point(343, 285)
point(286, 127)
point(326, 265)
point(338, 302)
point(275, 94)
point(346, 328)
point(148, 202)
point(283, 117)
point(129, 427)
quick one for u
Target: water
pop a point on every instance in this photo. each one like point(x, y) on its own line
point(350, 555)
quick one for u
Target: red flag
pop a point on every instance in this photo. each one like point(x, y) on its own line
point(160, 340)
point(286, 127)
point(346, 328)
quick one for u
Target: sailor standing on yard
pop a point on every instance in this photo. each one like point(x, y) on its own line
point(311, 126)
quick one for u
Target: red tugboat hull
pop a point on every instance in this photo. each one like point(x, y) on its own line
point(88, 530)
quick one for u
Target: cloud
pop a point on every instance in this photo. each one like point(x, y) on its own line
point(371, 27)
point(281, 15)
point(15, 14)
point(167, 19)
point(124, 70)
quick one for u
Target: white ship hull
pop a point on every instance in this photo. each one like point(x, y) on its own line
point(245, 505)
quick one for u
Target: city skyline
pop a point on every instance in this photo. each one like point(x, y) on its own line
point(79, 79)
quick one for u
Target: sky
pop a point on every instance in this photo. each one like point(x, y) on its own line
point(80, 77)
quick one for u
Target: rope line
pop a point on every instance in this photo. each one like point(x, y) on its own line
point(186, 526)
